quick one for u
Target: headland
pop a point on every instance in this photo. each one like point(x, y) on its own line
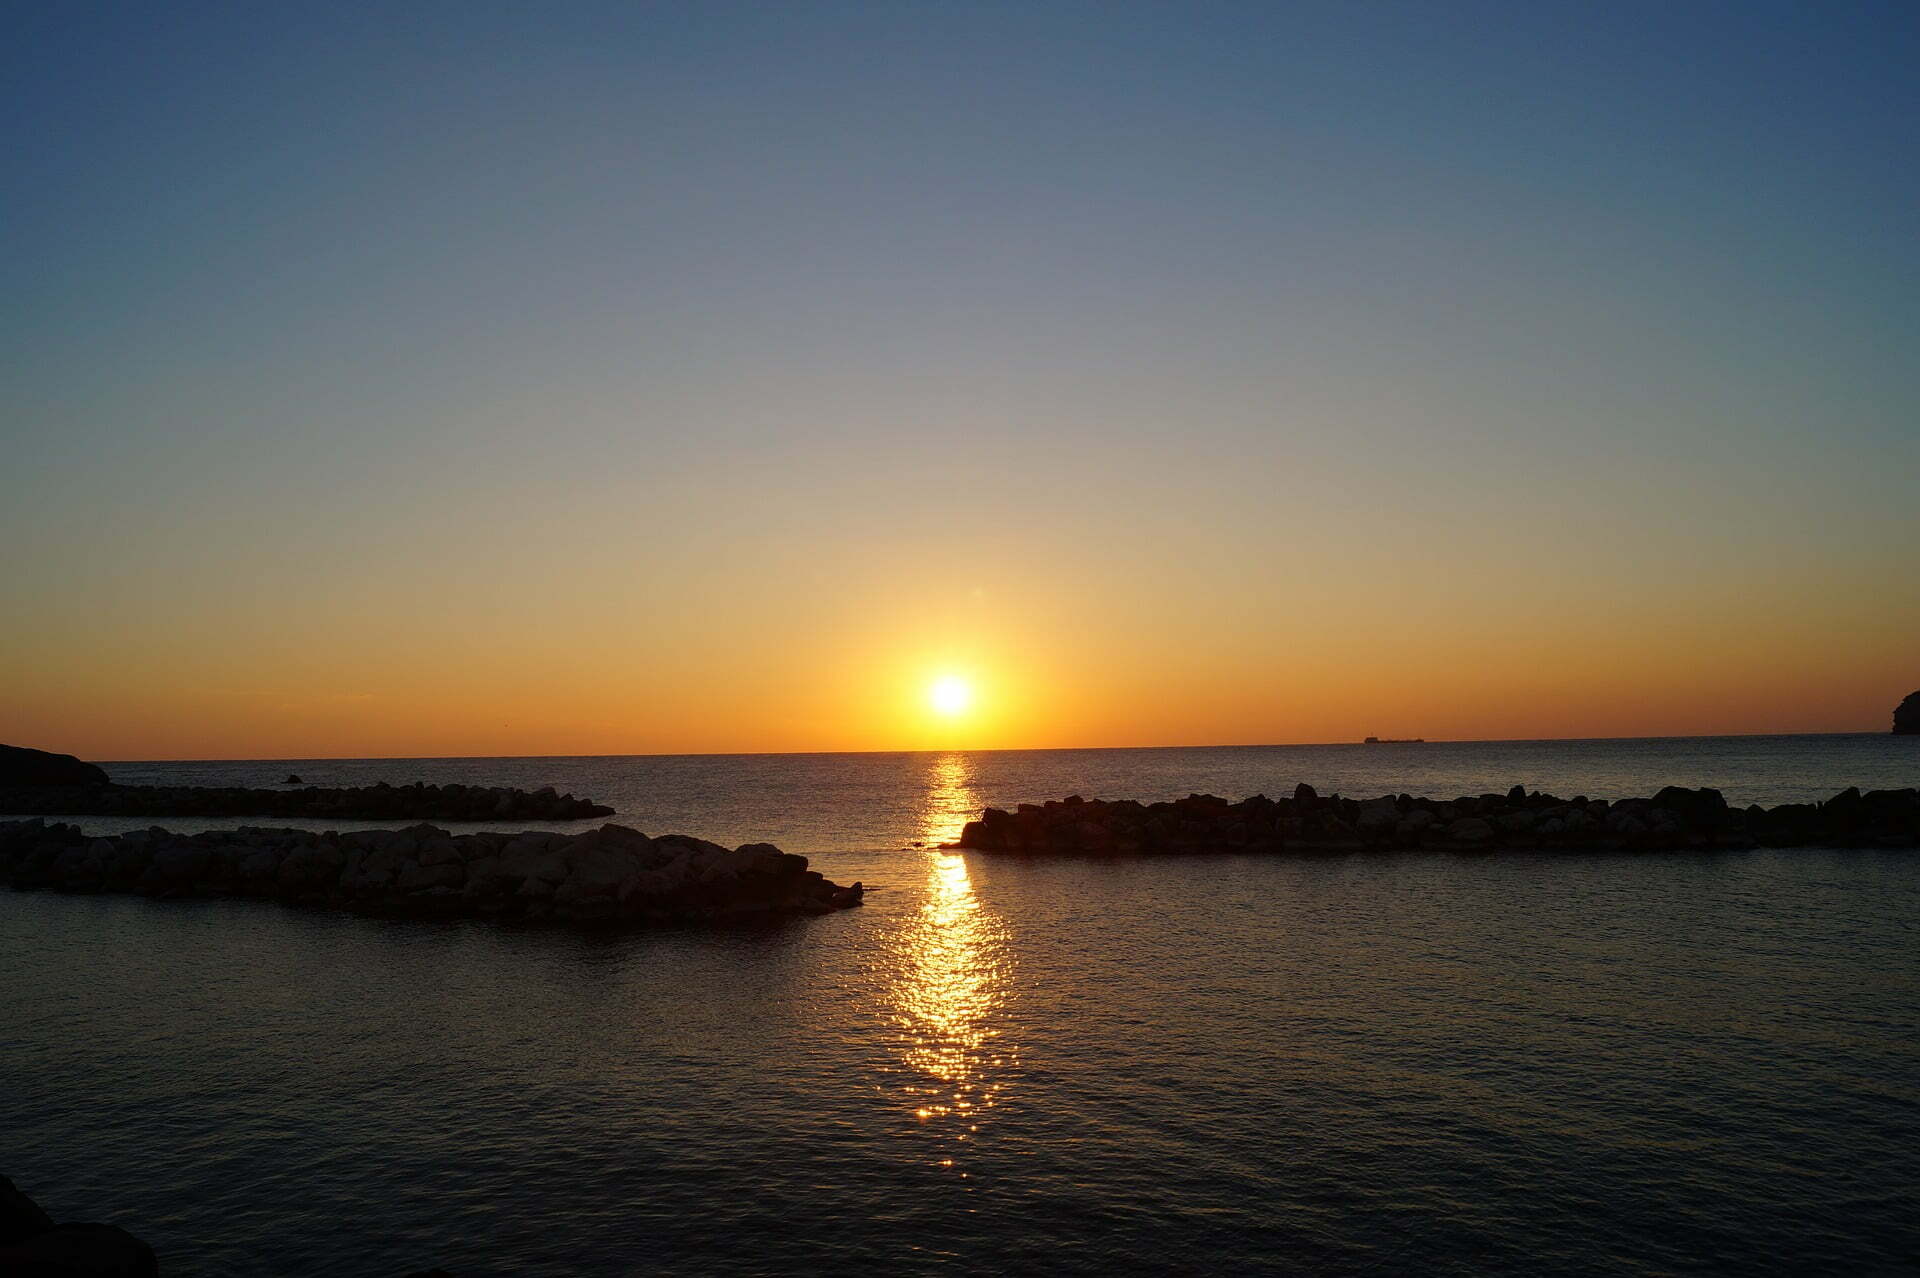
point(39, 783)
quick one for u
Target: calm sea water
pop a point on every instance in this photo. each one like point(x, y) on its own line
point(1414, 1062)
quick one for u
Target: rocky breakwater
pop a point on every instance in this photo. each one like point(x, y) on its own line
point(612, 876)
point(382, 802)
point(1675, 819)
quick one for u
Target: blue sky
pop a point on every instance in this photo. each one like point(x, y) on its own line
point(1431, 295)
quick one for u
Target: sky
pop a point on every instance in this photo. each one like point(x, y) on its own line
point(476, 379)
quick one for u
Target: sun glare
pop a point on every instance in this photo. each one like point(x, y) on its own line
point(950, 695)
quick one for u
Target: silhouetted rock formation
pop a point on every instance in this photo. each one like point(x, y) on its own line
point(1906, 716)
point(20, 766)
point(32, 1246)
point(380, 802)
point(1673, 819)
point(293, 778)
point(610, 876)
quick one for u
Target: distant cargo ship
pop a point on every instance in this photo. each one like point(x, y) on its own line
point(1394, 741)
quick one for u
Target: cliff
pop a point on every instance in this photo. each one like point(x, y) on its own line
point(20, 766)
point(1906, 717)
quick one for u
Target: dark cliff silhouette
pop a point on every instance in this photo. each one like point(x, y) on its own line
point(1906, 717)
point(36, 783)
point(23, 767)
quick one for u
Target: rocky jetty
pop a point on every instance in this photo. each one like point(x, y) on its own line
point(1672, 820)
point(380, 802)
point(1906, 717)
point(32, 1245)
point(612, 876)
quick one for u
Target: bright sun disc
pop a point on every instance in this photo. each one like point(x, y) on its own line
point(950, 694)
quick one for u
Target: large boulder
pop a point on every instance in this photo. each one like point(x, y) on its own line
point(32, 1245)
point(1906, 717)
point(1471, 830)
point(20, 1217)
point(1702, 809)
point(310, 869)
point(21, 766)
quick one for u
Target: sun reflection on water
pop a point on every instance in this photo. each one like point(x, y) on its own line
point(954, 975)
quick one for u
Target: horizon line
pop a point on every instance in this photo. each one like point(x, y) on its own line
point(752, 754)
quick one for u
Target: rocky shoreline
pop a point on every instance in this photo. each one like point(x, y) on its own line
point(382, 802)
point(41, 783)
point(1675, 819)
point(609, 877)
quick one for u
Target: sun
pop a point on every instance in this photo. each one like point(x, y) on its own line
point(950, 695)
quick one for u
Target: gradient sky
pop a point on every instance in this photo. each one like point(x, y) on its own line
point(594, 378)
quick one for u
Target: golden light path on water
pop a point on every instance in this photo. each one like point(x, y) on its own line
point(954, 976)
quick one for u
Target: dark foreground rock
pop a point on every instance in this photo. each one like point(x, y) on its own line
point(381, 802)
point(1672, 820)
point(1906, 717)
point(20, 766)
point(612, 876)
point(32, 1246)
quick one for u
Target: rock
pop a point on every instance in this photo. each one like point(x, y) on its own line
point(181, 864)
point(78, 868)
point(1414, 825)
point(310, 869)
point(443, 874)
point(440, 850)
point(293, 779)
point(260, 866)
point(1378, 817)
point(33, 1246)
point(20, 766)
point(20, 1217)
point(1471, 830)
point(80, 1251)
point(1702, 809)
point(600, 870)
point(1906, 717)
point(523, 852)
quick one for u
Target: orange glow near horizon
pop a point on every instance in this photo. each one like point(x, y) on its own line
point(232, 675)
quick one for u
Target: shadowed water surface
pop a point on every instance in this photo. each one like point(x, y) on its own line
point(1597, 1064)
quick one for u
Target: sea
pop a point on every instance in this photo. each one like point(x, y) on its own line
point(1412, 1062)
